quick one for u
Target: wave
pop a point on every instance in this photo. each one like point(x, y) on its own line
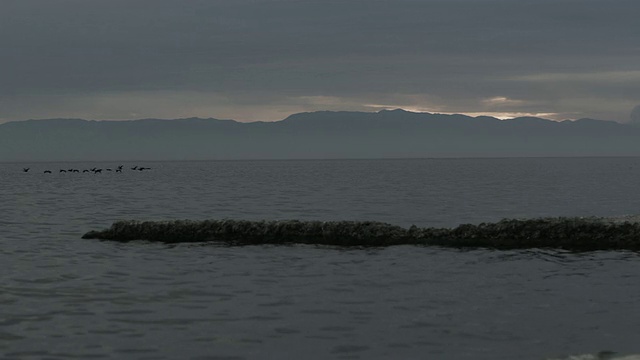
point(571, 233)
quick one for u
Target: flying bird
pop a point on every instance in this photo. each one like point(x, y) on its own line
point(25, 169)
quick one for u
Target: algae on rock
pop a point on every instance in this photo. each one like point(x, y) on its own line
point(571, 233)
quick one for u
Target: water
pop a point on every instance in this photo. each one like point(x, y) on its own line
point(62, 297)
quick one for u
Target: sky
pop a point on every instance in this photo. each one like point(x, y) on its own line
point(261, 60)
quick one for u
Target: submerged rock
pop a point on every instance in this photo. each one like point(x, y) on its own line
point(565, 233)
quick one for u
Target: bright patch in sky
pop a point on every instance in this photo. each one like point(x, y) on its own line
point(502, 100)
point(502, 115)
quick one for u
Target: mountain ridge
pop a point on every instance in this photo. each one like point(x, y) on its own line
point(313, 135)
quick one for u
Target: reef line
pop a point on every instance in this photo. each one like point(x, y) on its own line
point(571, 233)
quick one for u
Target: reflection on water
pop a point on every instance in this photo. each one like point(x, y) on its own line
point(63, 297)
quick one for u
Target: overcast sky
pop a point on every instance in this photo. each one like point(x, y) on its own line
point(265, 59)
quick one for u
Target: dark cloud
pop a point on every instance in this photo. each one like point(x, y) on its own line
point(635, 115)
point(568, 57)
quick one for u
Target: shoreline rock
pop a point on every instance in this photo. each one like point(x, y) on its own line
point(571, 233)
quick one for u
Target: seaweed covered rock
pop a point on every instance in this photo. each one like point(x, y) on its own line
point(567, 233)
point(348, 233)
point(564, 233)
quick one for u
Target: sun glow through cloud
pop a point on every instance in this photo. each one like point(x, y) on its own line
point(502, 101)
point(502, 115)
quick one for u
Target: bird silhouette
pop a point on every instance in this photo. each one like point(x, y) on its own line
point(47, 171)
point(63, 171)
point(25, 169)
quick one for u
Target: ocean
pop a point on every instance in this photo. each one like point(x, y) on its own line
point(62, 297)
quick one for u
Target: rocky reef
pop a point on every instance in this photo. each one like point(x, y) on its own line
point(603, 355)
point(572, 233)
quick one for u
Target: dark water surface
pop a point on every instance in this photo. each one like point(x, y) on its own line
point(62, 297)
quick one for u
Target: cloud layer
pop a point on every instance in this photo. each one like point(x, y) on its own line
point(264, 59)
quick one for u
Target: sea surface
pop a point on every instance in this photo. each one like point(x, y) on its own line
point(62, 297)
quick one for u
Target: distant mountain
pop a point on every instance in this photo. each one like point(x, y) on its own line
point(323, 134)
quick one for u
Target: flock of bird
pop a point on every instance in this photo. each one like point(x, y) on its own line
point(94, 170)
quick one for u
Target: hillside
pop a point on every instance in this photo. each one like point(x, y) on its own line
point(385, 134)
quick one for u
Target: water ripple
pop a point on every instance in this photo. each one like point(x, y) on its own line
point(62, 297)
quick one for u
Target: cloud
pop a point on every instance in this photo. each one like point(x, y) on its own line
point(267, 57)
point(635, 115)
point(632, 76)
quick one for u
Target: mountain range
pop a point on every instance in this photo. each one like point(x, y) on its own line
point(315, 135)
